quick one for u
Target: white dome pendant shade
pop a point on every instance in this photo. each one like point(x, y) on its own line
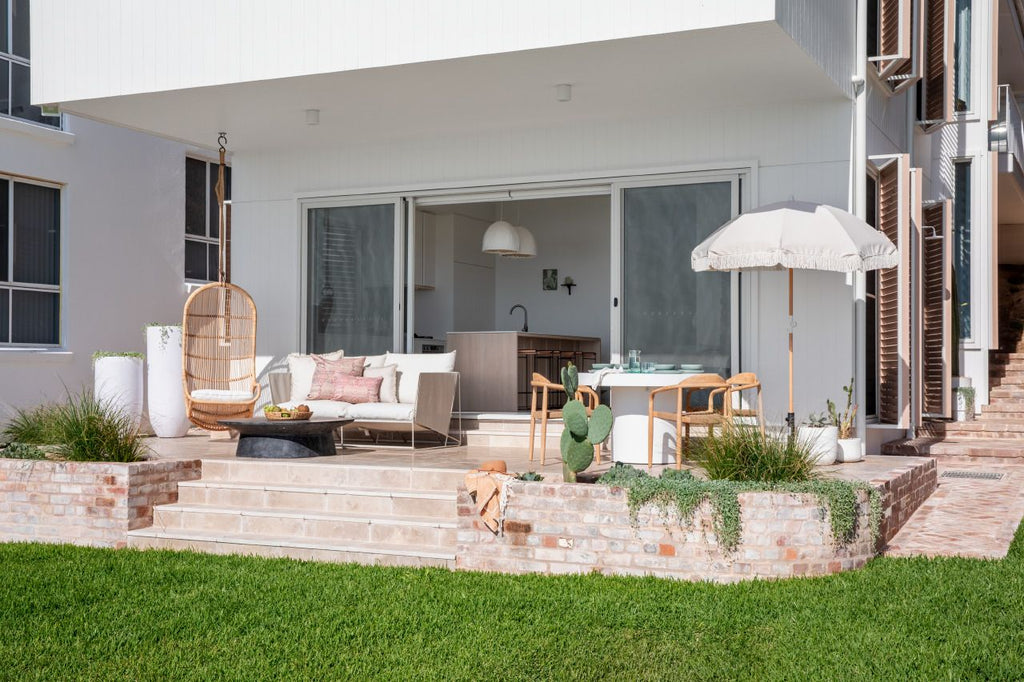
point(527, 245)
point(501, 238)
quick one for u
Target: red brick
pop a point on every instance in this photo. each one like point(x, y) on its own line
point(665, 549)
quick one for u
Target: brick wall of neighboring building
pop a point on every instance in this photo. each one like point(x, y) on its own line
point(85, 503)
point(566, 528)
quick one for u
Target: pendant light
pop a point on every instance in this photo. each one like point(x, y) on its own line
point(501, 237)
point(527, 245)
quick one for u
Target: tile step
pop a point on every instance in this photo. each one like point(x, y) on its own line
point(306, 525)
point(303, 549)
point(374, 501)
point(312, 473)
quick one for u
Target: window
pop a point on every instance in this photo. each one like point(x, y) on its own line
point(29, 263)
point(962, 55)
point(202, 230)
point(871, 311)
point(962, 246)
point(15, 92)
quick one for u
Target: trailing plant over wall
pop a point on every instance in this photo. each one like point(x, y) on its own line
point(22, 451)
point(684, 493)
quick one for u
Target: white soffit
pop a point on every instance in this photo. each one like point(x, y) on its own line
point(634, 78)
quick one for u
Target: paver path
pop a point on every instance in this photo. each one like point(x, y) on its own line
point(966, 517)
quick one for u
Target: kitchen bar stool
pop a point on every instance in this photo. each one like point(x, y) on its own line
point(526, 360)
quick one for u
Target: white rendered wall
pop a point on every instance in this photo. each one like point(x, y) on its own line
point(801, 149)
point(122, 240)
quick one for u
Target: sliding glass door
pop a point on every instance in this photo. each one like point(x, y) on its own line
point(669, 312)
point(353, 259)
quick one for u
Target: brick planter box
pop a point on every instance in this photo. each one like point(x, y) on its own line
point(577, 528)
point(85, 503)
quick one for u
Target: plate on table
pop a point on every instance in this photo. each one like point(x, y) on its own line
point(601, 365)
point(663, 366)
point(692, 368)
point(666, 371)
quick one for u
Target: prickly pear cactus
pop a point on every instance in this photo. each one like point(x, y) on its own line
point(581, 432)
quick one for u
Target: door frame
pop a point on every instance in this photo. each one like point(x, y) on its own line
point(401, 262)
point(617, 303)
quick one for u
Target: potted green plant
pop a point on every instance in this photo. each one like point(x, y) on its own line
point(117, 383)
point(965, 403)
point(850, 449)
point(819, 436)
point(165, 391)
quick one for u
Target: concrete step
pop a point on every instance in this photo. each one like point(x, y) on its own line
point(304, 524)
point(319, 498)
point(215, 542)
point(324, 474)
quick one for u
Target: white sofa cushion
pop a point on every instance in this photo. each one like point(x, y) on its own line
point(214, 395)
point(389, 381)
point(411, 365)
point(302, 367)
point(375, 360)
point(328, 409)
point(401, 412)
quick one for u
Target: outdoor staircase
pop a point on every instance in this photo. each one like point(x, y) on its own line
point(381, 515)
point(999, 430)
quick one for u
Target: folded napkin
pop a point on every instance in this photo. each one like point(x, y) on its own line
point(600, 374)
point(487, 487)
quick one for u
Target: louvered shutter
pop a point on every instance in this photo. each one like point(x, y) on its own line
point(909, 71)
point(937, 83)
point(935, 312)
point(894, 293)
point(894, 36)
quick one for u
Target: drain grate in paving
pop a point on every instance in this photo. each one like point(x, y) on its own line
point(982, 475)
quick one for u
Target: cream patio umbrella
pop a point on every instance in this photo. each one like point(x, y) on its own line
point(795, 235)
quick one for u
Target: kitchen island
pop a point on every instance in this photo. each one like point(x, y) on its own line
point(493, 375)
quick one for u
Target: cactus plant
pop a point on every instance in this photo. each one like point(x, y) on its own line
point(582, 432)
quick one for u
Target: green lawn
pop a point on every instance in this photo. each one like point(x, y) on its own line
point(73, 613)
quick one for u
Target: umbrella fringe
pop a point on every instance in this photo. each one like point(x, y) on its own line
point(783, 261)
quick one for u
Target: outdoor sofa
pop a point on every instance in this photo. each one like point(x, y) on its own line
point(420, 400)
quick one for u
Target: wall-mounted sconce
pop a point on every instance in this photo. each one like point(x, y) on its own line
point(568, 283)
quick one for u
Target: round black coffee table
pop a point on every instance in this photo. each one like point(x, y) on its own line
point(262, 437)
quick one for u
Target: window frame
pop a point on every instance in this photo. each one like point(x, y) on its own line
point(209, 165)
point(8, 59)
point(968, 340)
point(11, 285)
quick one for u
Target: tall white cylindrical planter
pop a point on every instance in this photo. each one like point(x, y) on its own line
point(822, 441)
point(117, 381)
point(165, 392)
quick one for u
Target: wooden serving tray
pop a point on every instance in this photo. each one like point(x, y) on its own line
point(287, 416)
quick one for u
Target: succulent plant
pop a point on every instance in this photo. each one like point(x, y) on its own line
point(582, 432)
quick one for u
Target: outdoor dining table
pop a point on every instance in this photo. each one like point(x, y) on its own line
point(629, 394)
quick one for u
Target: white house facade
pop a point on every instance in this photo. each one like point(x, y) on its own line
point(374, 142)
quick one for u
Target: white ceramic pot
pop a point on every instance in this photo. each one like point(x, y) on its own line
point(822, 441)
point(164, 392)
point(117, 381)
point(964, 412)
point(850, 450)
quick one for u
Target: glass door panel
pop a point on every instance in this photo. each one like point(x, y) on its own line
point(351, 279)
point(671, 313)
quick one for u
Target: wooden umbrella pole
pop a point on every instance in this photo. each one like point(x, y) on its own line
point(790, 417)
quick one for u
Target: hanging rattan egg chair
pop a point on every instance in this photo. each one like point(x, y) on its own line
point(219, 340)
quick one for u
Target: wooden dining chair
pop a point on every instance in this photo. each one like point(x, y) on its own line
point(542, 388)
point(686, 414)
point(738, 383)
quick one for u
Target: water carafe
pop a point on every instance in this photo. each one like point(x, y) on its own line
point(634, 361)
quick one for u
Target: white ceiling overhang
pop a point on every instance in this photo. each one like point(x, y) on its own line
point(746, 65)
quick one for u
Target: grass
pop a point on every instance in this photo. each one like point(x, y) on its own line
point(745, 454)
point(76, 613)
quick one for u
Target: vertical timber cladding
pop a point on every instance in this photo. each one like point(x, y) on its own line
point(894, 291)
point(935, 314)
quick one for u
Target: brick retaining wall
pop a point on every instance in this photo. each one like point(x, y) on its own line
point(85, 503)
point(579, 528)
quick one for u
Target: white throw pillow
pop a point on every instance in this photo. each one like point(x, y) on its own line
point(301, 367)
point(389, 385)
point(411, 365)
point(375, 360)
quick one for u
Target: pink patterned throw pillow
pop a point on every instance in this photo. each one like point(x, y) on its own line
point(328, 373)
point(356, 390)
